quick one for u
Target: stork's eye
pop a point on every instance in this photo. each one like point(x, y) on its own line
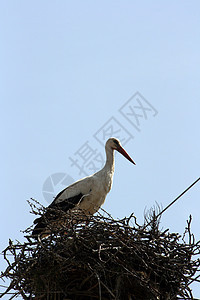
point(116, 142)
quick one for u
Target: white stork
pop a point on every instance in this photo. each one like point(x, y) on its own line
point(85, 195)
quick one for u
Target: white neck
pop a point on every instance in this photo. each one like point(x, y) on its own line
point(110, 161)
point(106, 174)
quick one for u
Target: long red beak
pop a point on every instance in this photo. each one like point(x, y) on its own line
point(125, 154)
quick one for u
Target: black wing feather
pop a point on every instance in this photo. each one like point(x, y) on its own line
point(52, 215)
point(66, 204)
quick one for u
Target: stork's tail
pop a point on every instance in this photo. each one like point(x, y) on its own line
point(39, 227)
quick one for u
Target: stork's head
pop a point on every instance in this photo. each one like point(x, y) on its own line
point(114, 144)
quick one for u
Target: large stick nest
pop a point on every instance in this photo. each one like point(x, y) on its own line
point(103, 259)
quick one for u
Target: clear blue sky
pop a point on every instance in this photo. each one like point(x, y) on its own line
point(67, 69)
